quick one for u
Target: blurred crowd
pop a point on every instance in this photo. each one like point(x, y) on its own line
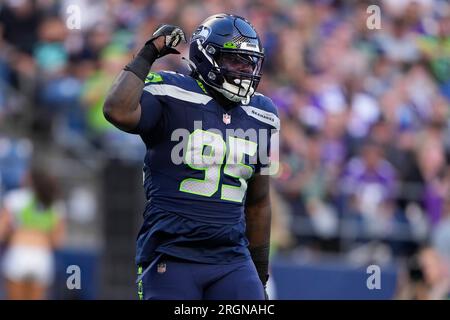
point(364, 142)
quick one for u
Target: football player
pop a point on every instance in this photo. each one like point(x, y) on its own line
point(206, 226)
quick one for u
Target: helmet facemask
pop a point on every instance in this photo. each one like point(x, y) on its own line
point(235, 73)
point(241, 72)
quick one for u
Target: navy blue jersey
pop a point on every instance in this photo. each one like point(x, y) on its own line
point(198, 161)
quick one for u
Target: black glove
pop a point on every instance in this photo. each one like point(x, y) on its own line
point(173, 34)
point(143, 61)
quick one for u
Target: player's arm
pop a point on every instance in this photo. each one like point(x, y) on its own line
point(122, 107)
point(258, 219)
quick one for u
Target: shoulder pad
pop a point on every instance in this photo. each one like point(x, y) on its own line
point(174, 79)
point(263, 109)
point(177, 86)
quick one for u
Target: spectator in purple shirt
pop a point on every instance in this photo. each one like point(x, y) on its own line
point(368, 184)
point(370, 172)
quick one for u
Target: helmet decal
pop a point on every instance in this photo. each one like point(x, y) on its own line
point(229, 45)
point(249, 46)
point(202, 33)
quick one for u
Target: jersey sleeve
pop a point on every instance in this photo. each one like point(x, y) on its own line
point(151, 111)
point(151, 122)
point(267, 163)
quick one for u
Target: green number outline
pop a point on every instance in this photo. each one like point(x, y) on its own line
point(239, 163)
point(188, 151)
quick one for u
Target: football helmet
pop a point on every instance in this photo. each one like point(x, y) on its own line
point(226, 53)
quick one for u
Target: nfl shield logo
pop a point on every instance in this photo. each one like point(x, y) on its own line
point(226, 118)
point(161, 268)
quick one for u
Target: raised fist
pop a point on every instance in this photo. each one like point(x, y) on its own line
point(166, 38)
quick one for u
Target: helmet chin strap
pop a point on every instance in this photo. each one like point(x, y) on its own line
point(190, 64)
